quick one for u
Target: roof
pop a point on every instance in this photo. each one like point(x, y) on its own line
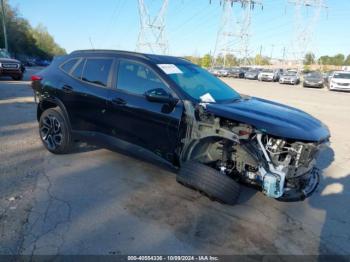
point(157, 59)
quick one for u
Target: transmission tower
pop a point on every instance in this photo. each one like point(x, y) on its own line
point(152, 30)
point(307, 13)
point(233, 36)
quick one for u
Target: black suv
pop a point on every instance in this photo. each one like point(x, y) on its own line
point(180, 112)
point(10, 67)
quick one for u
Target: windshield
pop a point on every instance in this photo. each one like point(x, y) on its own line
point(201, 85)
point(342, 75)
point(4, 54)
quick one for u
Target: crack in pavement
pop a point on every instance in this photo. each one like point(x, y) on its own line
point(48, 215)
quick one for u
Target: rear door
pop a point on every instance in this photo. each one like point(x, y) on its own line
point(132, 117)
point(85, 92)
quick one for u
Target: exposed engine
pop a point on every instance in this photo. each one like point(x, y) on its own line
point(281, 168)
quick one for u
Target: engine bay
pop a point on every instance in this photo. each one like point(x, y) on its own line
point(281, 168)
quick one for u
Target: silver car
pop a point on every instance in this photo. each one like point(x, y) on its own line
point(290, 77)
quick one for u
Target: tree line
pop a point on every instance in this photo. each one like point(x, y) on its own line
point(25, 41)
point(230, 60)
point(336, 60)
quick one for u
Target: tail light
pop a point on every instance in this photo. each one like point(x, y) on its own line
point(36, 78)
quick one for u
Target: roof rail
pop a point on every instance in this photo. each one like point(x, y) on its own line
point(109, 51)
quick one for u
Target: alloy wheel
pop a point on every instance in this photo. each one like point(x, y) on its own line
point(51, 132)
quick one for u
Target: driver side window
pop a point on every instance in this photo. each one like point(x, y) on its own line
point(137, 78)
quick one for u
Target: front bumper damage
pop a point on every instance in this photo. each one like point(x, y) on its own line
point(276, 183)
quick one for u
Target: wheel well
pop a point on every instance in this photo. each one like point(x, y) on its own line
point(203, 150)
point(44, 105)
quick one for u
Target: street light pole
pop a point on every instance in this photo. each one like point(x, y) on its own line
point(3, 24)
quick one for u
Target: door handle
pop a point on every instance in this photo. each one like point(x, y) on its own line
point(119, 101)
point(67, 89)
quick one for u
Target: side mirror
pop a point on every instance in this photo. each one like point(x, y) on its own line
point(159, 95)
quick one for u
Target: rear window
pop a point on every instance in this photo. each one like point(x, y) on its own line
point(79, 69)
point(97, 71)
point(67, 66)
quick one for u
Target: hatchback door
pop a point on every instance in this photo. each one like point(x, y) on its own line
point(152, 125)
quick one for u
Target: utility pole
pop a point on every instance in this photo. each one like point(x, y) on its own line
point(4, 24)
point(272, 47)
point(152, 30)
point(260, 53)
point(233, 38)
point(284, 56)
point(304, 26)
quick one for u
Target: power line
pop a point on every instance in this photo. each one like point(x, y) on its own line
point(152, 30)
point(304, 26)
point(229, 31)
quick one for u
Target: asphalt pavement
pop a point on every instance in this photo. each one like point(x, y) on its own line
point(125, 201)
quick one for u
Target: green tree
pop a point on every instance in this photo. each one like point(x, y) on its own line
point(206, 61)
point(45, 41)
point(194, 59)
point(21, 37)
point(347, 61)
point(261, 60)
point(338, 60)
point(325, 60)
point(309, 59)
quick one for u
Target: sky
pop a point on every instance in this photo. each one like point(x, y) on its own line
point(191, 25)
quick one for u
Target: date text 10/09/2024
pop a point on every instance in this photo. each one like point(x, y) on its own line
point(173, 258)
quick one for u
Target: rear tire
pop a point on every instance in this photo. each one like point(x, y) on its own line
point(54, 131)
point(210, 182)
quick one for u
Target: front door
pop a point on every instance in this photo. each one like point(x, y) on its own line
point(152, 125)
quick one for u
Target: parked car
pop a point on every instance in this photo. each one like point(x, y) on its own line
point(313, 79)
point(252, 74)
point(290, 77)
point(41, 62)
point(268, 75)
point(215, 71)
point(183, 114)
point(10, 67)
point(327, 77)
point(236, 72)
point(224, 72)
point(340, 80)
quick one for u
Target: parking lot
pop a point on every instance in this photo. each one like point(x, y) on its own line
point(125, 201)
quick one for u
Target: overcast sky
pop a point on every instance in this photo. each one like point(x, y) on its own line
point(191, 25)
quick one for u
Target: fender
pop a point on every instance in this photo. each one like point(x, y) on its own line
point(51, 102)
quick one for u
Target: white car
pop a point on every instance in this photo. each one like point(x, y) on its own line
point(340, 80)
point(268, 75)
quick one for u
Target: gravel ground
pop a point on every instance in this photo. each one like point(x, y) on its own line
point(124, 201)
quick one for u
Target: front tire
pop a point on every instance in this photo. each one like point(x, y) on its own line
point(54, 131)
point(209, 181)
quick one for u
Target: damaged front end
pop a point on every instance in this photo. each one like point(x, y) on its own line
point(281, 168)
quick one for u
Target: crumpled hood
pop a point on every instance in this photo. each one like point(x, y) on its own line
point(273, 118)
